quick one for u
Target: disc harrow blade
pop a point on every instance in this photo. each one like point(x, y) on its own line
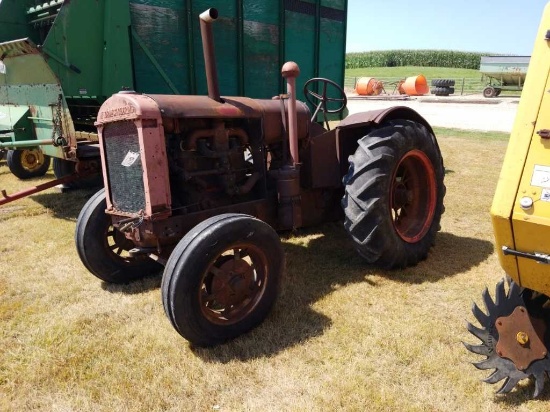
point(500, 294)
point(515, 291)
point(481, 334)
point(539, 370)
point(479, 349)
point(488, 302)
point(489, 363)
point(481, 316)
point(503, 305)
point(539, 384)
point(496, 376)
point(509, 384)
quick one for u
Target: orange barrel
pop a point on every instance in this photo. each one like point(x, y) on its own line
point(368, 86)
point(415, 86)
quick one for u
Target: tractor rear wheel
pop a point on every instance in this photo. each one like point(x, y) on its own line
point(222, 278)
point(28, 163)
point(104, 250)
point(394, 192)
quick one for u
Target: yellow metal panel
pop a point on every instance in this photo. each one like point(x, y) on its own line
point(508, 190)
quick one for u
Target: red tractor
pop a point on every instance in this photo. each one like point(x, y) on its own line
point(200, 184)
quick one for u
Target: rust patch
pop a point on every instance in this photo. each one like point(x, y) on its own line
point(520, 338)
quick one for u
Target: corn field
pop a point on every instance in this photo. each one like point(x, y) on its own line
point(424, 58)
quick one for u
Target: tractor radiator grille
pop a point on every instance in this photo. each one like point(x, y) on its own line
point(124, 167)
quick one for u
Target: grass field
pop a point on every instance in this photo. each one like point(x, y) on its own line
point(342, 336)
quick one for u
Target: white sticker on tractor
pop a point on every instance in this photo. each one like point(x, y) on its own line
point(541, 176)
point(2, 68)
point(545, 195)
point(130, 159)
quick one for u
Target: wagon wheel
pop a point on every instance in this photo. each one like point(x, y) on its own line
point(104, 250)
point(514, 336)
point(321, 101)
point(489, 91)
point(62, 168)
point(222, 278)
point(28, 163)
point(394, 191)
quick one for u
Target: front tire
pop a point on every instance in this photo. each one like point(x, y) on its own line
point(222, 278)
point(104, 250)
point(394, 192)
point(28, 163)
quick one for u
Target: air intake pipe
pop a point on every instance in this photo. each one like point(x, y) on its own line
point(206, 19)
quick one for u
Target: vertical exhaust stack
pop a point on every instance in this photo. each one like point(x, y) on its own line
point(288, 177)
point(206, 20)
point(290, 71)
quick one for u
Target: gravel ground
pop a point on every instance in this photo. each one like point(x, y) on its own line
point(460, 112)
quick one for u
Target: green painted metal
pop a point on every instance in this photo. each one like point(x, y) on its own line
point(26, 144)
point(93, 37)
point(253, 40)
point(14, 122)
point(89, 50)
point(30, 97)
point(13, 21)
point(154, 62)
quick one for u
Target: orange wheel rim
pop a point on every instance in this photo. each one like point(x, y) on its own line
point(233, 285)
point(413, 196)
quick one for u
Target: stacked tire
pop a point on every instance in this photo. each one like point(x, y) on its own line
point(442, 87)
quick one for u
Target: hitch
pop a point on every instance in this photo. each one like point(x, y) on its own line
point(39, 188)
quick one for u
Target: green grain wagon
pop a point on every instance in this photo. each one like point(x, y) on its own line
point(60, 60)
point(504, 73)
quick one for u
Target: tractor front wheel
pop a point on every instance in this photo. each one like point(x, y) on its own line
point(222, 278)
point(104, 250)
point(28, 163)
point(394, 192)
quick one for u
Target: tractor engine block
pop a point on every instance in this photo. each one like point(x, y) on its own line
point(209, 166)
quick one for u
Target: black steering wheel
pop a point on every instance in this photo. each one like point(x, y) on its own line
point(320, 100)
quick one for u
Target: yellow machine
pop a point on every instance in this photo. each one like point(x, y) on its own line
point(515, 332)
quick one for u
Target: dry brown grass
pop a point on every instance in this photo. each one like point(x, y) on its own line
point(342, 336)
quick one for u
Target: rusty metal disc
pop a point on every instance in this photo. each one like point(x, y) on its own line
point(517, 347)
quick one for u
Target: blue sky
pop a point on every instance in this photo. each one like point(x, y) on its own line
point(489, 26)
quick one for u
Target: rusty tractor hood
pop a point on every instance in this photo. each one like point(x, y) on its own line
point(132, 105)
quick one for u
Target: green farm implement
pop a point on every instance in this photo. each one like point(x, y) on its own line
point(504, 73)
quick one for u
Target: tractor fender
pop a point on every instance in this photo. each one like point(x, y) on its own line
point(354, 127)
point(373, 118)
